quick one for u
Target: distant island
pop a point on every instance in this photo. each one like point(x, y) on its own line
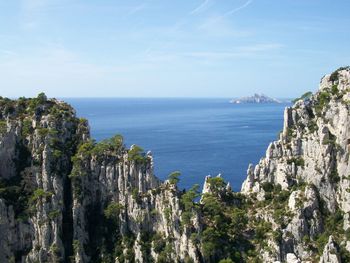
point(256, 98)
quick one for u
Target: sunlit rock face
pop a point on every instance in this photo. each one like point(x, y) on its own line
point(65, 198)
point(311, 159)
point(57, 184)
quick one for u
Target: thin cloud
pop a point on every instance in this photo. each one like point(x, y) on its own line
point(221, 27)
point(200, 8)
point(220, 20)
point(235, 10)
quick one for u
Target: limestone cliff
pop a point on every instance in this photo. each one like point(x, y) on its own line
point(66, 198)
point(309, 165)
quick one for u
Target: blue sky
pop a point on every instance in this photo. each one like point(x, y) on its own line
point(163, 48)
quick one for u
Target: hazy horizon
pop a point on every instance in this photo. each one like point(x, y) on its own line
point(192, 48)
point(125, 97)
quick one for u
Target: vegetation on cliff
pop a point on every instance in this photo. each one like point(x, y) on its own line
point(65, 197)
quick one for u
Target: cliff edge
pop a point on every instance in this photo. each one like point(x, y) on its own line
point(66, 198)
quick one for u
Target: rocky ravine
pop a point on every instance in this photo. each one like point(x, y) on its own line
point(65, 198)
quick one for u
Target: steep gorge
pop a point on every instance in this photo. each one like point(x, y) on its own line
point(66, 198)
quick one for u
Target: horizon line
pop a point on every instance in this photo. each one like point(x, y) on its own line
point(150, 97)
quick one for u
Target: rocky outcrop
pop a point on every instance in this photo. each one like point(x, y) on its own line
point(310, 163)
point(66, 198)
point(330, 252)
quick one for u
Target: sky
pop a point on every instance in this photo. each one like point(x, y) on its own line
point(163, 48)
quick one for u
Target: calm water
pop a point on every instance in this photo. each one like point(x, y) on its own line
point(195, 136)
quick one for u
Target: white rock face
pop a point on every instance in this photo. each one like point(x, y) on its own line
point(330, 253)
point(312, 150)
point(292, 258)
point(117, 180)
point(66, 205)
point(35, 233)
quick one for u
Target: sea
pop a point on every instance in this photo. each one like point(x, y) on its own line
point(197, 137)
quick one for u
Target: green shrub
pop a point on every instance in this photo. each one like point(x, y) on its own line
point(305, 96)
point(216, 184)
point(54, 214)
point(113, 144)
point(210, 242)
point(186, 218)
point(55, 250)
point(334, 90)
point(3, 127)
point(36, 102)
point(146, 245)
point(277, 236)
point(57, 154)
point(174, 177)
point(154, 212)
point(239, 219)
point(334, 76)
point(278, 215)
point(86, 148)
point(334, 221)
point(136, 154)
point(226, 260)
point(188, 198)
point(334, 176)
point(76, 246)
point(323, 99)
point(43, 132)
point(136, 195)
point(306, 239)
point(298, 161)
point(40, 195)
point(282, 196)
point(188, 259)
point(312, 126)
point(321, 241)
point(112, 211)
point(267, 186)
point(211, 205)
point(188, 203)
point(165, 256)
point(261, 230)
point(27, 128)
point(41, 98)
point(84, 151)
point(11, 190)
point(167, 214)
point(159, 243)
point(83, 121)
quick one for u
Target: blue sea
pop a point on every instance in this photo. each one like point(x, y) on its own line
point(197, 137)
